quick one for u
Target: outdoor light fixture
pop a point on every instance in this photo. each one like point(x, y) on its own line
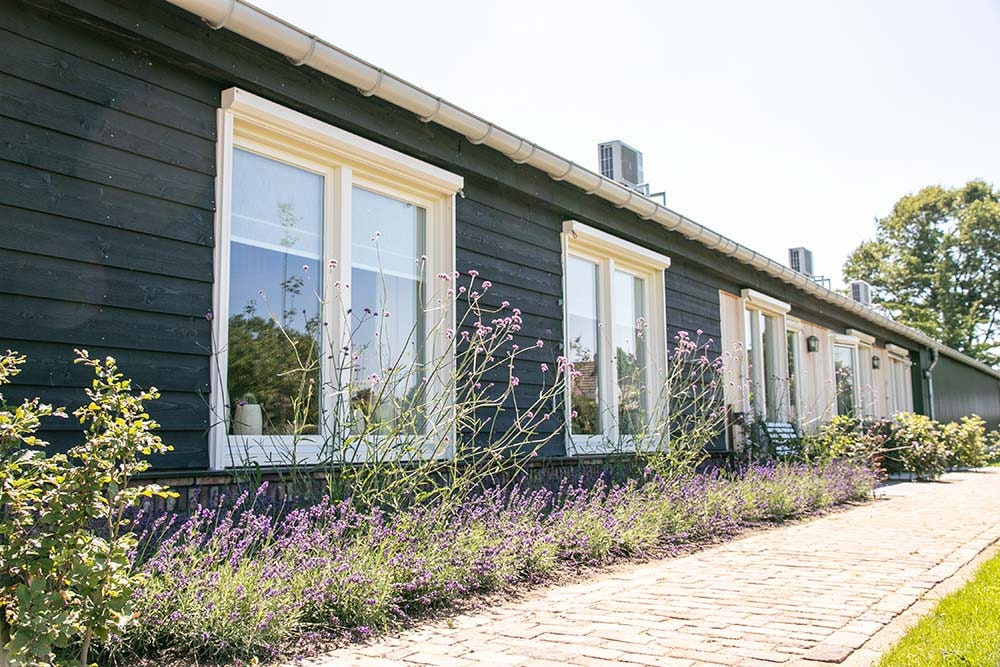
point(812, 344)
point(876, 363)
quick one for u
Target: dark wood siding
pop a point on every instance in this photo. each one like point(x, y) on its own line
point(517, 247)
point(106, 198)
point(961, 390)
point(107, 110)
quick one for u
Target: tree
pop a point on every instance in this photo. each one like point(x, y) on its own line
point(933, 264)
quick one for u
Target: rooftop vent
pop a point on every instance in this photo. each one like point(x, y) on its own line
point(801, 260)
point(861, 291)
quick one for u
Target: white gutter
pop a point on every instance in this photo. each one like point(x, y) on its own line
point(302, 48)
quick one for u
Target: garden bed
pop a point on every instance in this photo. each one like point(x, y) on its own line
point(249, 581)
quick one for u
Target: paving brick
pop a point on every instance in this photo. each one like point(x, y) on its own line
point(814, 590)
point(829, 653)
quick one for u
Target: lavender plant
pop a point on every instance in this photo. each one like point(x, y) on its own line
point(248, 581)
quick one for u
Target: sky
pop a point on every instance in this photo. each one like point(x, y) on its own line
point(778, 124)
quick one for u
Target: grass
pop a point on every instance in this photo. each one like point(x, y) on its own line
point(963, 629)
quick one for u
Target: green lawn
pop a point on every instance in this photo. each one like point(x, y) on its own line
point(963, 629)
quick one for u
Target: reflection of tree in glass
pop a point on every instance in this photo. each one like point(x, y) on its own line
point(631, 393)
point(268, 352)
point(265, 360)
point(584, 388)
point(845, 388)
point(291, 286)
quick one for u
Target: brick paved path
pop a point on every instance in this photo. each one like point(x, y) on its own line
point(801, 594)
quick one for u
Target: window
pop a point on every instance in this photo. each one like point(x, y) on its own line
point(615, 337)
point(766, 339)
point(321, 236)
point(793, 335)
point(899, 389)
point(867, 391)
point(845, 374)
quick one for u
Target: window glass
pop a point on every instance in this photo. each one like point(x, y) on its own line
point(750, 333)
point(584, 339)
point(773, 331)
point(387, 322)
point(866, 390)
point(792, 343)
point(844, 374)
point(758, 361)
point(274, 302)
point(628, 303)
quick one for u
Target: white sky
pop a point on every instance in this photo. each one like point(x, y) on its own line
point(776, 123)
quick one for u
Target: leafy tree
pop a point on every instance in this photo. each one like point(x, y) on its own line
point(933, 264)
point(65, 538)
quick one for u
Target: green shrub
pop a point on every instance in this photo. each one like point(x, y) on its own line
point(992, 452)
point(917, 446)
point(63, 584)
point(966, 440)
point(846, 437)
point(834, 439)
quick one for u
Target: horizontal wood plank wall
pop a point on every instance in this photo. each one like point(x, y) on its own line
point(144, 80)
point(106, 197)
point(960, 391)
point(517, 247)
point(693, 306)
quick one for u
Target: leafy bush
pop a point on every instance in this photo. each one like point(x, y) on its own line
point(917, 446)
point(63, 583)
point(966, 441)
point(992, 453)
point(833, 440)
point(251, 580)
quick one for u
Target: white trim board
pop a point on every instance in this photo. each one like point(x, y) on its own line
point(761, 301)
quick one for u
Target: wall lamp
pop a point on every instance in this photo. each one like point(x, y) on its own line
point(876, 363)
point(812, 344)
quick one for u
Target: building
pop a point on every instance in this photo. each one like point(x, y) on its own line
point(163, 163)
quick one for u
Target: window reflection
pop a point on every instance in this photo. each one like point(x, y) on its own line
point(387, 320)
point(274, 304)
point(843, 361)
point(628, 304)
point(584, 336)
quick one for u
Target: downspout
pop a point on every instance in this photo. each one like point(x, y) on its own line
point(929, 374)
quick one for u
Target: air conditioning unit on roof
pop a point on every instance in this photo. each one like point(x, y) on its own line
point(622, 164)
point(801, 260)
point(861, 291)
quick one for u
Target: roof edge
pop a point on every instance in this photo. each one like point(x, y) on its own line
point(305, 49)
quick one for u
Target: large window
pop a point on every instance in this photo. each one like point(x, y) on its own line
point(868, 393)
point(324, 244)
point(845, 374)
point(899, 383)
point(766, 339)
point(793, 335)
point(615, 337)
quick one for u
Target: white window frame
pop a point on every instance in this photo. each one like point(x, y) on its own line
point(793, 325)
point(345, 160)
point(899, 383)
point(758, 302)
point(866, 405)
point(852, 342)
point(611, 253)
